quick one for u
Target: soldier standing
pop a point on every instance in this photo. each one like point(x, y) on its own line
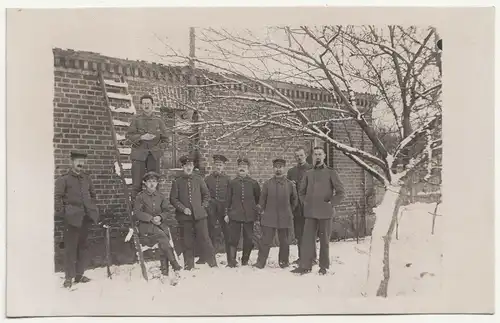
point(75, 200)
point(146, 132)
point(218, 186)
point(295, 174)
point(189, 195)
point(278, 199)
point(320, 191)
point(243, 197)
point(151, 209)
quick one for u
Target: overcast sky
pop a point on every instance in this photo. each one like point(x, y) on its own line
point(123, 33)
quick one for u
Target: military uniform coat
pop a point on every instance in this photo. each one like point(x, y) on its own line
point(141, 125)
point(277, 200)
point(218, 186)
point(189, 191)
point(148, 205)
point(295, 174)
point(75, 197)
point(320, 190)
point(243, 197)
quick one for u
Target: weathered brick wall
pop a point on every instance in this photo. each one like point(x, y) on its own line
point(81, 123)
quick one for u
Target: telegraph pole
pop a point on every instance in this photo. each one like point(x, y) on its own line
point(191, 94)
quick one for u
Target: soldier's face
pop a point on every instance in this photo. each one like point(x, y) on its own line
point(78, 163)
point(278, 169)
point(319, 156)
point(219, 166)
point(243, 169)
point(147, 106)
point(300, 156)
point(188, 167)
point(151, 184)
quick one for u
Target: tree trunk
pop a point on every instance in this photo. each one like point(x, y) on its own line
point(385, 220)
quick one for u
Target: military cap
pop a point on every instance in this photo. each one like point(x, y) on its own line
point(243, 161)
point(149, 175)
point(76, 154)
point(221, 158)
point(279, 161)
point(185, 159)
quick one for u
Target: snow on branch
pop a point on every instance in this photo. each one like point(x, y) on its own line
point(368, 168)
point(429, 125)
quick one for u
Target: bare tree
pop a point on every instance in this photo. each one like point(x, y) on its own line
point(400, 67)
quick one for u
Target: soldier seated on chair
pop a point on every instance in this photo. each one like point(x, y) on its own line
point(150, 208)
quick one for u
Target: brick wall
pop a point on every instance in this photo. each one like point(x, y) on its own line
point(81, 123)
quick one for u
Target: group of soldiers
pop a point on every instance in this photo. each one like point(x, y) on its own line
point(301, 199)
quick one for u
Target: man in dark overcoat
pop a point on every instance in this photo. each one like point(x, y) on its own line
point(277, 200)
point(218, 186)
point(243, 197)
point(320, 191)
point(189, 195)
point(295, 174)
point(146, 133)
point(75, 200)
point(151, 209)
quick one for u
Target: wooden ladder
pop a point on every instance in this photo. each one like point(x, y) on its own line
point(118, 91)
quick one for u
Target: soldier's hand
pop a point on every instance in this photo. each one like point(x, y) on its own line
point(147, 136)
point(226, 219)
point(187, 211)
point(156, 220)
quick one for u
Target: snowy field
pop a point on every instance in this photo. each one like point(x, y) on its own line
point(415, 271)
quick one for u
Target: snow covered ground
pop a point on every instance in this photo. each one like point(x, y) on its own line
point(415, 271)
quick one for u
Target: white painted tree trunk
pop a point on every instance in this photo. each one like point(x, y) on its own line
point(379, 239)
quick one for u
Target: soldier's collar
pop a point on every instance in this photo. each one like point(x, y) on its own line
point(72, 172)
point(279, 179)
point(319, 167)
point(151, 193)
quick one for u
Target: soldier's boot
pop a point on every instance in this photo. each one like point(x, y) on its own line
point(231, 259)
point(262, 258)
point(246, 256)
point(164, 267)
point(201, 261)
point(81, 279)
point(67, 283)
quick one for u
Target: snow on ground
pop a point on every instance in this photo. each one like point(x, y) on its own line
point(415, 270)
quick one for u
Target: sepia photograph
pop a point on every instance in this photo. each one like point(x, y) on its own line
point(243, 169)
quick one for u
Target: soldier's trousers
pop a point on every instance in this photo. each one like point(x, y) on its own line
point(139, 169)
point(312, 227)
point(298, 226)
point(266, 242)
point(216, 213)
point(235, 228)
point(162, 237)
point(198, 228)
point(76, 248)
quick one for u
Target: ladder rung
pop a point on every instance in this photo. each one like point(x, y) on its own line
point(116, 84)
point(144, 248)
point(120, 123)
point(119, 96)
point(125, 151)
point(120, 137)
point(130, 109)
point(128, 181)
point(124, 165)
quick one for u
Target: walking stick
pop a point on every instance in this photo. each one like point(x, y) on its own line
point(108, 251)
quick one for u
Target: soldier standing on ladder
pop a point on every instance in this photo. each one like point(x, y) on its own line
point(146, 132)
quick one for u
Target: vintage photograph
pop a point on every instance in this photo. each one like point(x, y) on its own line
point(222, 164)
point(295, 150)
